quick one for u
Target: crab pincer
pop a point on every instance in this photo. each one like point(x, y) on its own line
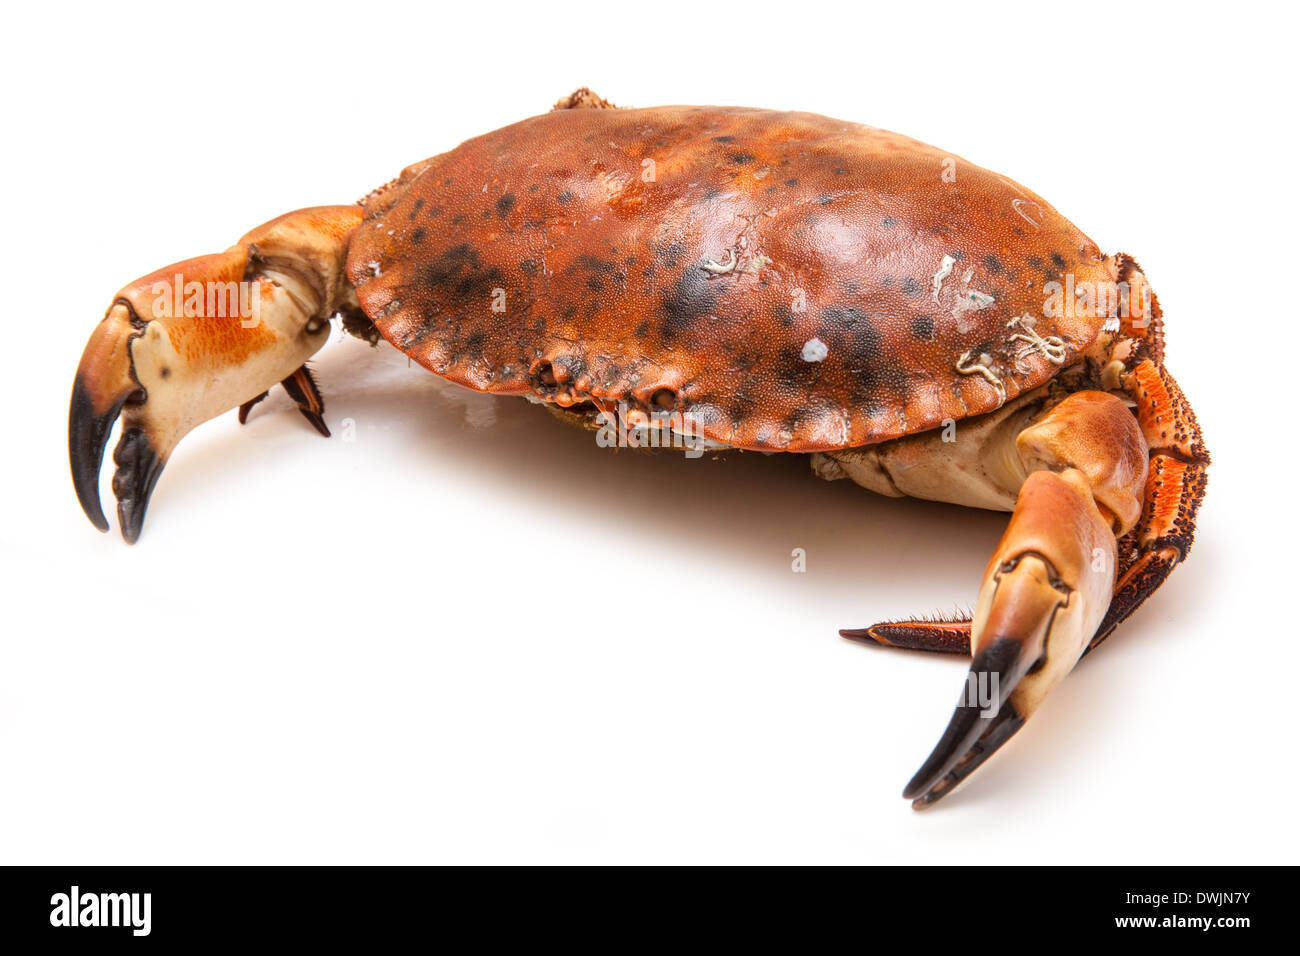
point(195, 339)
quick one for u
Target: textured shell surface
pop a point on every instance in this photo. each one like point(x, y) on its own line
point(785, 281)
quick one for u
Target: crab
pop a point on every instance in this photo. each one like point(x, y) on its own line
point(733, 278)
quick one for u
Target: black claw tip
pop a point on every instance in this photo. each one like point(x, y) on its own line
point(138, 468)
point(997, 670)
point(87, 436)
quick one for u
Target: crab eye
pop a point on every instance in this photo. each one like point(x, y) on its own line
point(546, 375)
point(664, 398)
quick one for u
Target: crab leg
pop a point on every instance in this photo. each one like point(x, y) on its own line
point(198, 338)
point(1050, 581)
point(1175, 486)
point(942, 636)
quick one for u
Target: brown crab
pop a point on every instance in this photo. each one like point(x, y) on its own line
point(780, 282)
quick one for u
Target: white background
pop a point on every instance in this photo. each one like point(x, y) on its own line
point(472, 635)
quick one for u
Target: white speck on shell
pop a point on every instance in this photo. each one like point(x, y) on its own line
point(1021, 205)
point(814, 350)
point(945, 270)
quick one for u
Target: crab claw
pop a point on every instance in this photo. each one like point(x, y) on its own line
point(188, 342)
point(1050, 581)
point(1045, 591)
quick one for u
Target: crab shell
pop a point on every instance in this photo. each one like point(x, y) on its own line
point(785, 281)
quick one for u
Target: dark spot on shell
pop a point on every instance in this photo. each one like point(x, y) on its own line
point(595, 264)
point(418, 235)
point(165, 372)
point(664, 398)
point(459, 274)
point(910, 286)
point(724, 139)
point(743, 403)
point(784, 313)
point(957, 255)
point(824, 200)
point(792, 182)
point(889, 222)
point(474, 342)
point(1035, 262)
point(1058, 260)
point(840, 318)
point(691, 297)
point(671, 254)
point(565, 197)
point(870, 367)
point(505, 204)
point(923, 328)
point(741, 158)
point(993, 264)
point(529, 266)
point(595, 285)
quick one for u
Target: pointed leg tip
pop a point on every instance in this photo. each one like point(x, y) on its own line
point(247, 407)
point(864, 635)
point(302, 388)
point(317, 422)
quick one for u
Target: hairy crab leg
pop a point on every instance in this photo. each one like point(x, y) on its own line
point(1176, 482)
point(193, 340)
point(943, 636)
